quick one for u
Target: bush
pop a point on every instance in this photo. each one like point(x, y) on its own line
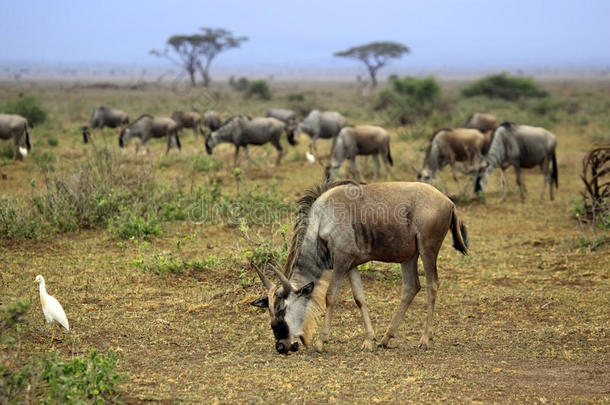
point(504, 86)
point(52, 141)
point(134, 227)
point(296, 97)
point(258, 88)
point(28, 107)
point(409, 98)
point(240, 84)
point(82, 379)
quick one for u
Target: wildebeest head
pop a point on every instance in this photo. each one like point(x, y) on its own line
point(425, 176)
point(288, 310)
point(124, 136)
point(210, 143)
point(480, 183)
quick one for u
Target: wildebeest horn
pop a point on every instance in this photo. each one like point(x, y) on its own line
point(262, 276)
point(285, 283)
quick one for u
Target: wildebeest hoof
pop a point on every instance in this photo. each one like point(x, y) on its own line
point(425, 344)
point(367, 346)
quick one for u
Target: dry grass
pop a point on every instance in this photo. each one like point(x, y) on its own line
point(523, 318)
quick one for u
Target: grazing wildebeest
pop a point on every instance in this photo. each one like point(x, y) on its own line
point(105, 117)
point(448, 146)
point(13, 126)
point(520, 146)
point(288, 117)
point(242, 131)
point(211, 119)
point(482, 122)
point(321, 124)
point(360, 140)
point(189, 119)
point(146, 127)
point(342, 225)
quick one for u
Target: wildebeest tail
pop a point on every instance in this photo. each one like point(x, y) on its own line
point(390, 156)
point(554, 173)
point(178, 141)
point(460, 234)
point(27, 137)
point(85, 137)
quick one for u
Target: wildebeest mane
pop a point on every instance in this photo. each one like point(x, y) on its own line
point(142, 117)
point(300, 227)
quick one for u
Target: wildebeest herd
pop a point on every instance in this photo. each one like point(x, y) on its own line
point(343, 224)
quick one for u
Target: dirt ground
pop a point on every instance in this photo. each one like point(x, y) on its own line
point(523, 318)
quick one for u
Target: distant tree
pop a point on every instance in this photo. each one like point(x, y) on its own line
point(196, 52)
point(212, 42)
point(375, 55)
point(187, 47)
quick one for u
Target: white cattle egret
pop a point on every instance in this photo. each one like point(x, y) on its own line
point(310, 158)
point(23, 151)
point(51, 308)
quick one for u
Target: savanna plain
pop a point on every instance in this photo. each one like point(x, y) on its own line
point(149, 255)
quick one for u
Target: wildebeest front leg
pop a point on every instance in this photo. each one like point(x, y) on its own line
point(169, 143)
point(236, 155)
point(358, 292)
point(331, 300)
point(429, 260)
point(410, 288)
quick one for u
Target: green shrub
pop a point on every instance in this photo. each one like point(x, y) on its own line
point(296, 97)
point(240, 84)
point(82, 380)
point(28, 107)
point(408, 99)
point(52, 141)
point(134, 227)
point(258, 88)
point(504, 86)
point(206, 164)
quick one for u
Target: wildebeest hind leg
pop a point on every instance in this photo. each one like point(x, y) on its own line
point(358, 292)
point(376, 162)
point(429, 260)
point(410, 288)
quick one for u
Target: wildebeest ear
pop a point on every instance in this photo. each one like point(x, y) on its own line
point(262, 302)
point(305, 290)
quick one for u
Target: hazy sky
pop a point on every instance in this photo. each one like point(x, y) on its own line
point(449, 33)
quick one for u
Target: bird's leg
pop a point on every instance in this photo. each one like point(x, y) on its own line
point(53, 332)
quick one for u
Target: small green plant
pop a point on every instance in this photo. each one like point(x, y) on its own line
point(45, 160)
point(258, 88)
point(504, 86)
point(82, 380)
point(52, 141)
point(28, 107)
point(591, 244)
point(206, 164)
point(135, 227)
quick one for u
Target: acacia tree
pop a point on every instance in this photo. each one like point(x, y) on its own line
point(375, 55)
point(187, 49)
point(196, 52)
point(213, 41)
